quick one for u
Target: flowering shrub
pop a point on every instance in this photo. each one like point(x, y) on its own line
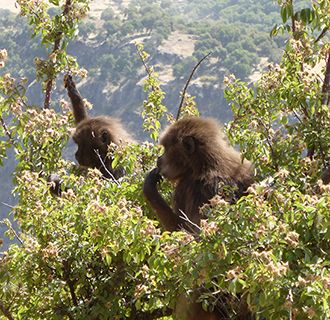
point(97, 251)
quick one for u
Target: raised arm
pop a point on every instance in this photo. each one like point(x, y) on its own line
point(78, 106)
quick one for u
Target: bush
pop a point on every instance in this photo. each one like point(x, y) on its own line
point(98, 253)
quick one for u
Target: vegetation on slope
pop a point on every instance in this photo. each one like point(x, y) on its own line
point(98, 253)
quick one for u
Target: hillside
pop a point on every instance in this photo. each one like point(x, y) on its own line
point(176, 34)
point(193, 228)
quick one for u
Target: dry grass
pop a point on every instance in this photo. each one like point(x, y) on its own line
point(9, 4)
point(178, 43)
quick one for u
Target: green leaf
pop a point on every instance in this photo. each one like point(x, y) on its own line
point(54, 2)
point(284, 14)
point(307, 15)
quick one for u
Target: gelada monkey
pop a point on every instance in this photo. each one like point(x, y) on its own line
point(93, 135)
point(201, 164)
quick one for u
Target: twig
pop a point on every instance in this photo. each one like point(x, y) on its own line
point(192, 226)
point(269, 142)
point(144, 64)
point(297, 116)
point(187, 83)
point(8, 224)
point(147, 69)
point(7, 205)
point(325, 100)
point(11, 139)
point(56, 47)
point(326, 82)
point(70, 283)
point(18, 92)
point(293, 24)
point(322, 34)
point(5, 311)
point(105, 168)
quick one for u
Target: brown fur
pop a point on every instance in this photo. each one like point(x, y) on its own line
point(201, 164)
point(93, 135)
point(187, 309)
point(326, 175)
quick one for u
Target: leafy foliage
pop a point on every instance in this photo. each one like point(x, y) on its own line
point(153, 108)
point(55, 30)
point(96, 252)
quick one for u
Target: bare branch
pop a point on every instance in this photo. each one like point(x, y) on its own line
point(322, 34)
point(187, 83)
point(8, 133)
point(325, 99)
point(192, 226)
point(105, 168)
point(326, 82)
point(7, 205)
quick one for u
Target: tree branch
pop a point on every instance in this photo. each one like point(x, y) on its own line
point(70, 283)
point(187, 83)
point(293, 22)
point(326, 100)
point(105, 167)
point(326, 82)
point(326, 95)
point(9, 225)
point(5, 311)
point(56, 47)
point(148, 69)
point(144, 64)
point(11, 139)
point(322, 34)
point(194, 228)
